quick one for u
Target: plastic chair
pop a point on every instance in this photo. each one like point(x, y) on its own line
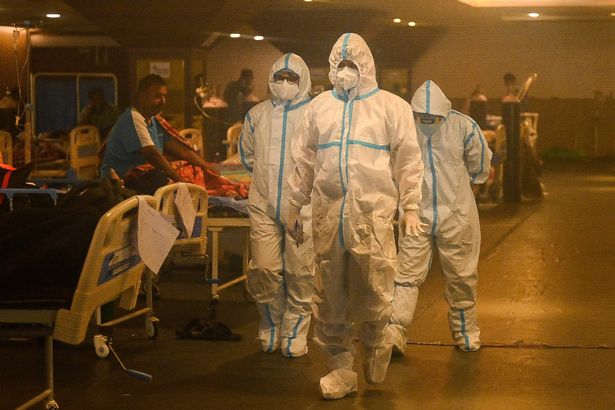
point(195, 138)
point(232, 139)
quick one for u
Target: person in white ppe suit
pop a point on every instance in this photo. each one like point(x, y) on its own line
point(357, 157)
point(456, 155)
point(281, 274)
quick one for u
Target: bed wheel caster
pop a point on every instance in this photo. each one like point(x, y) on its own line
point(100, 346)
point(151, 327)
point(51, 405)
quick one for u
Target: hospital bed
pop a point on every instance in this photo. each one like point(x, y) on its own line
point(82, 159)
point(203, 224)
point(234, 217)
point(112, 269)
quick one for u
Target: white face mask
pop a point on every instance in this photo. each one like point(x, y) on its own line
point(347, 77)
point(428, 124)
point(285, 90)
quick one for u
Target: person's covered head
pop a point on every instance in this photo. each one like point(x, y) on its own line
point(96, 95)
point(289, 78)
point(430, 106)
point(351, 65)
point(151, 94)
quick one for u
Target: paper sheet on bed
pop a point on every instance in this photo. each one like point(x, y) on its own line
point(155, 236)
point(185, 207)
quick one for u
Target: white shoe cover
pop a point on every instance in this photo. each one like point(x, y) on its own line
point(376, 362)
point(396, 335)
point(293, 339)
point(464, 329)
point(467, 343)
point(338, 384)
point(298, 347)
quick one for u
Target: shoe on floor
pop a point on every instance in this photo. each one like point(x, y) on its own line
point(396, 335)
point(338, 384)
point(376, 362)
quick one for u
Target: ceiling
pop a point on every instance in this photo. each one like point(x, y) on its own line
point(287, 23)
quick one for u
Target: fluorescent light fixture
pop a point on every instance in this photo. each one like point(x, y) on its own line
point(396, 20)
point(235, 35)
point(53, 15)
point(307, 1)
point(533, 15)
point(259, 38)
point(612, 14)
point(412, 24)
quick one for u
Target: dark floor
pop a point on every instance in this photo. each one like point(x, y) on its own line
point(546, 309)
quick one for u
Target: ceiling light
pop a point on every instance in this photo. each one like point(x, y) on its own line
point(307, 1)
point(259, 38)
point(533, 15)
point(612, 14)
point(235, 35)
point(541, 3)
point(53, 15)
point(412, 24)
point(396, 20)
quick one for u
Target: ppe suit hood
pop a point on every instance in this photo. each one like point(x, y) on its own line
point(430, 99)
point(295, 63)
point(351, 46)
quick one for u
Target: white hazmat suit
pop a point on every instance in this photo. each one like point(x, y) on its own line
point(357, 158)
point(281, 274)
point(455, 154)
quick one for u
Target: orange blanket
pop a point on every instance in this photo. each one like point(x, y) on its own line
point(216, 184)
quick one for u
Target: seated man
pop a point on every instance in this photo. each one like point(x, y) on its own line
point(98, 112)
point(139, 139)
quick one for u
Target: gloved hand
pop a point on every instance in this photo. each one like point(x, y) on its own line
point(294, 224)
point(411, 224)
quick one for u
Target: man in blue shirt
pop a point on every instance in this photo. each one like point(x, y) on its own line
point(137, 138)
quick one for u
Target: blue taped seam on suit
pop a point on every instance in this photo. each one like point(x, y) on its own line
point(272, 337)
point(328, 145)
point(281, 170)
point(434, 187)
point(242, 154)
point(370, 145)
point(428, 96)
point(345, 46)
point(463, 329)
point(295, 331)
point(482, 160)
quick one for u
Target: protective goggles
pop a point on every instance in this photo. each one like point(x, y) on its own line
point(425, 118)
point(286, 74)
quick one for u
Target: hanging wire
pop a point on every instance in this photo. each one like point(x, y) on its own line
point(22, 105)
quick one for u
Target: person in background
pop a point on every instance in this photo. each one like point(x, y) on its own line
point(510, 83)
point(356, 161)
point(455, 155)
point(281, 274)
point(98, 112)
point(238, 95)
point(138, 138)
